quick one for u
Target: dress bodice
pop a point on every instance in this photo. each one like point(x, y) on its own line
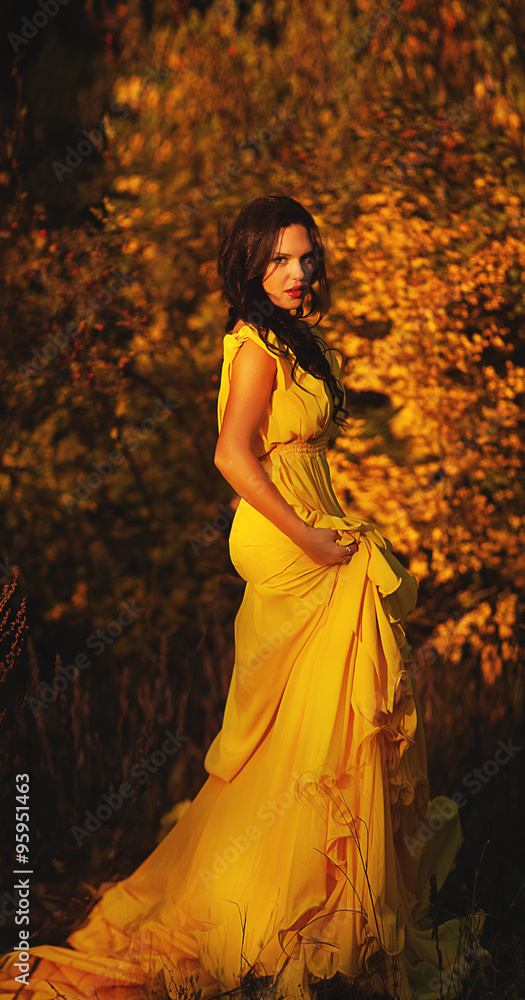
point(300, 411)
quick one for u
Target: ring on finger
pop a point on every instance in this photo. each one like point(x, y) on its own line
point(347, 554)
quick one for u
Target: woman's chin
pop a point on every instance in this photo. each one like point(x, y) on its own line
point(292, 307)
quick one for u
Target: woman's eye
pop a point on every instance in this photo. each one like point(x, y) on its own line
point(309, 261)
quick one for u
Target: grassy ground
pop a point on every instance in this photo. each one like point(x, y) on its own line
point(489, 872)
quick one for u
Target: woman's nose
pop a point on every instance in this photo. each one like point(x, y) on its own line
point(298, 273)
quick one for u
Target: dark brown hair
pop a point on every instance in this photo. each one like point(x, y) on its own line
point(245, 251)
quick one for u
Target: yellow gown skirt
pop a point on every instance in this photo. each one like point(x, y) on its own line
point(310, 846)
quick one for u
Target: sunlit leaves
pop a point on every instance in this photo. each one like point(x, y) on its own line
point(401, 133)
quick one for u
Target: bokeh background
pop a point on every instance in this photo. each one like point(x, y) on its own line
point(131, 134)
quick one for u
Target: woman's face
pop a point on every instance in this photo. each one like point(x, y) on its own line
point(288, 275)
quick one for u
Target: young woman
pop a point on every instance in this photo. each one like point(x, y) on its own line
point(309, 848)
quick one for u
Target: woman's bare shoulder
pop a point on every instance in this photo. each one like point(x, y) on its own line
point(240, 323)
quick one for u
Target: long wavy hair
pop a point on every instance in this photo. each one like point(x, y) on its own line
point(245, 252)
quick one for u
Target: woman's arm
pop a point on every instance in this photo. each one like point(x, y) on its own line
point(252, 376)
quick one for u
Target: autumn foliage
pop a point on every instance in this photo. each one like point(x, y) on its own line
point(401, 128)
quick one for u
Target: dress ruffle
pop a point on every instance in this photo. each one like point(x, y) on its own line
point(302, 851)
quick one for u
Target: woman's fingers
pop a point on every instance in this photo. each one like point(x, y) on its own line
point(353, 546)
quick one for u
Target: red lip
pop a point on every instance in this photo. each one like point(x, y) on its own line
point(295, 288)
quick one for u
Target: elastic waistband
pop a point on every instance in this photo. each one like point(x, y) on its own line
point(314, 447)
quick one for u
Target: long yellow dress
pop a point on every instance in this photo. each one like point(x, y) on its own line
point(309, 847)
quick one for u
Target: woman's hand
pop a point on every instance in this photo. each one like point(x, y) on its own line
point(321, 545)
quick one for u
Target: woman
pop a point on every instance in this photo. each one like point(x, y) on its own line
point(302, 854)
